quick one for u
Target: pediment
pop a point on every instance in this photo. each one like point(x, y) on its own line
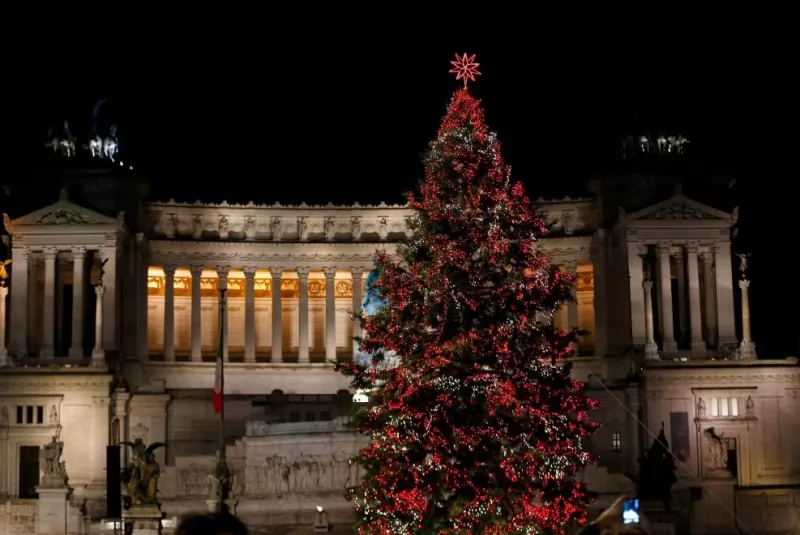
point(65, 212)
point(679, 207)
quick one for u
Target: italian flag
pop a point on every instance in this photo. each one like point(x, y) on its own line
point(219, 381)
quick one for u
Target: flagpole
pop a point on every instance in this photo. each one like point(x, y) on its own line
point(222, 475)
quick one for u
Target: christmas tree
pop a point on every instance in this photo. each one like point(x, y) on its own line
point(477, 427)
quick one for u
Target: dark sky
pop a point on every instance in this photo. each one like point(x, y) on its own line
point(317, 110)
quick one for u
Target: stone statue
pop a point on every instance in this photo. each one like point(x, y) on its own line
point(221, 481)
point(53, 469)
point(110, 144)
point(302, 229)
point(701, 409)
point(197, 227)
point(66, 144)
point(96, 147)
point(276, 228)
point(743, 264)
point(53, 418)
point(717, 449)
point(4, 417)
point(356, 228)
point(329, 228)
point(383, 228)
point(4, 271)
point(750, 409)
point(140, 477)
point(102, 265)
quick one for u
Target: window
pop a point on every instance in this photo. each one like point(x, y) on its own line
point(30, 414)
point(294, 417)
point(325, 416)
point(724, 407)
point(311, 416)
point(616, 442)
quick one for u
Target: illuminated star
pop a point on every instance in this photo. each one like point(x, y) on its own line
point(465, 68)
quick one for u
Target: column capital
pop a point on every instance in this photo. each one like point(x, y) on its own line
point(249, 272)
point(706, 257)
point(571, 266)
point(744, 284)
point(169, 271)
point(647, 284)
point(196, 271)
point(276, 272)
point(691, 247)
point(302, 272)
point(99, 290)
point(357, 272)
point(678, 256)
point(79, 252)
point(50, 253)
point(329, 272)
point(664, 247)
point(20, 252)
point(222, 271)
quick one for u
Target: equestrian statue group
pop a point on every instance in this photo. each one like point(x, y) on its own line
point(66, 145)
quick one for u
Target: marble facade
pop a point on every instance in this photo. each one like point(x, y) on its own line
point(655, 294)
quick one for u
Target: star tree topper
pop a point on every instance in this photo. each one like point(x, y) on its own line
point(465, 68)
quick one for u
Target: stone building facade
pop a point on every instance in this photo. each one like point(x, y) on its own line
point(655, 294)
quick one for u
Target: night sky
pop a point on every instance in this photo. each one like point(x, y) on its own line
point(322, 112)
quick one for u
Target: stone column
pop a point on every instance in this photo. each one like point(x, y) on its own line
point(34, 333)
point(357, 274)
point(99, 352)
point(680, 277)
point(169, 313)
point(665, 272)
point(572, 305)
point(143, 300)
point(78, 297)
point(109, 256)
point(18, 339)
point(330, 313)
point(635, 277)
point(695, 317)
point(197, 325)
point(3, 351)
point(747, 349)
point(650, 346)
point(711, 304)
point(277, 315)
point(249, 314)
point(48, 323)
point(222, 284)
point(302, 274)
point(601, 334)
point(725, 308)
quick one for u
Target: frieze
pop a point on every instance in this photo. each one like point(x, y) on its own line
point(20, 384)
point(720, 378)
point(266, 257)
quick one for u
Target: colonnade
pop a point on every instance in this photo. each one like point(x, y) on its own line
point(277, 275)
point(24, 296)
point(708, 320)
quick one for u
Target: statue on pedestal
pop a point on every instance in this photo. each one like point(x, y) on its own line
point(54, 473)
point(4, 271)
point(140, 477)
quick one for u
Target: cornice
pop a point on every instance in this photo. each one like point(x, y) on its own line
point(723, 377)
point(12, 383)
point(166, 250)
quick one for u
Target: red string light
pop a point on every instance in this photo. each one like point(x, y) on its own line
point(480, 428)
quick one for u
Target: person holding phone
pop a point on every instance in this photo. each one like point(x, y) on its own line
point(610, 521)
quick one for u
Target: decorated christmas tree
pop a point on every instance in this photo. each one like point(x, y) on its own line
point(475, 425)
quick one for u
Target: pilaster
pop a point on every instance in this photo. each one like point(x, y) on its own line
point(222, 274)
point(109, 255)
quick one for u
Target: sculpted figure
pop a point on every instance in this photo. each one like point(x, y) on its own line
point(356, 223)
point(329, 228)
point(110, 144)
point(53, 469)
point(276, 228)
point(140, 477)
point(4, 271)
point(701, 408)
point(717, 449)
point(4, 417)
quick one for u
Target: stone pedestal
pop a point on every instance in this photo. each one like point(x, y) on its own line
point(52, 510)
point(213, 506)
point(146, 519)
point(712, 514)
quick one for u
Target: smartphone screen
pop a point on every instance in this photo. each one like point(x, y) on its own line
point(630, 511)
